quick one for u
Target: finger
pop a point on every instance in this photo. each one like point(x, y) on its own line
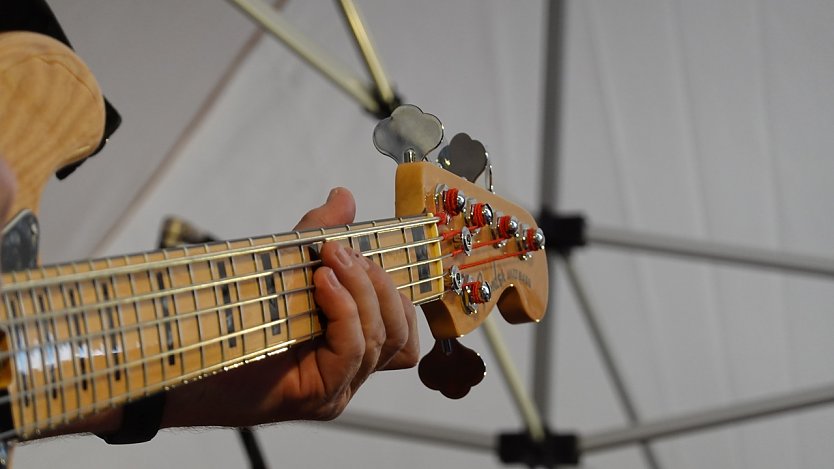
point(392, 312)
point(339, 209)
point(341, 357)
point(409, 354)
point(352, 273)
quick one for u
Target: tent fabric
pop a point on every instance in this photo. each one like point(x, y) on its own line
point(709, 120)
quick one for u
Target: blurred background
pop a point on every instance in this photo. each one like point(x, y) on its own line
point(712, 120)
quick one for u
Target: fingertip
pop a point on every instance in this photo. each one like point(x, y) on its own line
point(341, 200)
point(324, 277)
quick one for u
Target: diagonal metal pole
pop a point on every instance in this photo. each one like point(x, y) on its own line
point(275, 24)
point(526, 406)
point(366, 48)
point(607, 356)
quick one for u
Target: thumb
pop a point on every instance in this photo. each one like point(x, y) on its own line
point(339, 209)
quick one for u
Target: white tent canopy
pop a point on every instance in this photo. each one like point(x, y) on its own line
point(708, 120)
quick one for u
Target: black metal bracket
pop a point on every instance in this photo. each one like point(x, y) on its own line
point(555, 450)
point(384, 108)
point(564, 232)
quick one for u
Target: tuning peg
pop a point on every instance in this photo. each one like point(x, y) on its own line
point(451, 368)
point(408, 135)
point(465, 157)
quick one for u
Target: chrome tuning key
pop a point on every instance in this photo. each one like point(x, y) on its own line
point(408, 135)
point(465, 157)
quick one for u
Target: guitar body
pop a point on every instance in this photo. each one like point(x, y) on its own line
point(52, 111)
point(52, 115)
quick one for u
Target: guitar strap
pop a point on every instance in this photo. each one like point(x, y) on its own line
point(37, 17)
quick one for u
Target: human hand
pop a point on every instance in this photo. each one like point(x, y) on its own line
point(370, 327)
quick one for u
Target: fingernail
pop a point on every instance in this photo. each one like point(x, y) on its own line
point(344, 257)
point(333, 193)
point(332, 280)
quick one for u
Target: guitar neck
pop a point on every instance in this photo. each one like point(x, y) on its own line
point(81, 337)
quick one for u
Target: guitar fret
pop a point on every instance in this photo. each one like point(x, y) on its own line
point(212, 267)
point(274, 315)
point(107, 356)
point(48, 350)
point(109, 359)
point(56, 338)
point(166, 322)
point(52, 336)
point(73, 345)
point(176, 320)
point(285, 298)
point(409, 261)
point(263, 304)
point(121, 331)
point(236, 283)
point(37, 349)
point(81, 319)
point(308, 278)
point(226, 297)
point(22, 344)
point(260, 293)
point(200, 339)
point(68, 295)
point(158, 325)
point(140, 331)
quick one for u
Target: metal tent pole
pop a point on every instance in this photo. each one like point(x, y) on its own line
point(709, 250)
point(543, 346)
point(607, 356)
point(274, 23)
point(705, 419)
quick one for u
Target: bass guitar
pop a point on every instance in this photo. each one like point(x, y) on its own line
point(80, 337)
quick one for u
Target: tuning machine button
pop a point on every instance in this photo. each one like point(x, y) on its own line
point(507, 227)
point(466, 240)
point(476, 293)
point(479, 214)
point(454, 281)
point(534, 239)
point(408, 135)
point(464, 156)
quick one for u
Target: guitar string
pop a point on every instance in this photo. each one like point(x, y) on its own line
point(188, 315)
point(112, 400)
point(66, 416)
point(262, 299)
point(400, 224)
point(102, 335)
point(69, 312)
point(47, 387)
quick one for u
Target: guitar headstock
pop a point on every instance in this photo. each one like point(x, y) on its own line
point(493, 252)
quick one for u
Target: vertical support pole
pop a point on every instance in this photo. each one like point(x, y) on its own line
point(543, 347)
